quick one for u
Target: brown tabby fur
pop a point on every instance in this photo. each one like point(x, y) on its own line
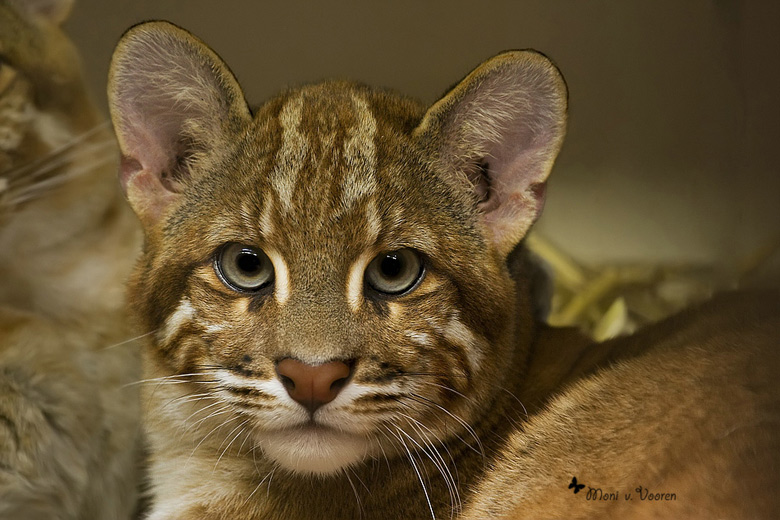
point(460, 402)
point(69, 428)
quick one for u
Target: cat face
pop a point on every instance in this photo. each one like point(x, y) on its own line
point(350, 252)
point(329, 272)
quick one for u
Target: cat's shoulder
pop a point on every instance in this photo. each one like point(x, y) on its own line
point(672, 379)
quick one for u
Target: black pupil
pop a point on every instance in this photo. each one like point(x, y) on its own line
point(248, 262)
point(391, 266)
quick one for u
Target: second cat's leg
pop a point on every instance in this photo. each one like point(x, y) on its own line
point(48, 418)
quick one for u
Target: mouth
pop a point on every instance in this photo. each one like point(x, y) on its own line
point(314, 448)
point(313, 426)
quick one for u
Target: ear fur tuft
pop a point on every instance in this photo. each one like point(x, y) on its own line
point(498, 132)
point(171, 99)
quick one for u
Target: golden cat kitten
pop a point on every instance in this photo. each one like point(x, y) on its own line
point(69, 432)
point(341, 321)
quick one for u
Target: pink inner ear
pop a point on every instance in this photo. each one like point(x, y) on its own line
point(509, 113)
point(146, 159)
point(519, 162)
point(170, 97)
point(128, 168)
point(144, 190)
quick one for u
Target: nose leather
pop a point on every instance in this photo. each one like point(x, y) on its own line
point(313, 385)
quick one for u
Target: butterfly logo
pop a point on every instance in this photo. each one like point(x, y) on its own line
point(577, 487)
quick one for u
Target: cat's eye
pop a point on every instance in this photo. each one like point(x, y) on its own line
point(244, 268)
point(394, 272)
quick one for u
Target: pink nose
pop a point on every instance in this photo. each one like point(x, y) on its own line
point(313, 385)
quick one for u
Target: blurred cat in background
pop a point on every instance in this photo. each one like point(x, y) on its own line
point(69, 434)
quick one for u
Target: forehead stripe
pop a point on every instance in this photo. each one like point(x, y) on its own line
point(360, 155)
point(292, 152)
point(266, 222)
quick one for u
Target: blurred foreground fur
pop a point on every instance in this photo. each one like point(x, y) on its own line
point(69, 429)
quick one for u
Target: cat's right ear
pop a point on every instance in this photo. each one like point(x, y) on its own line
point(172, 99)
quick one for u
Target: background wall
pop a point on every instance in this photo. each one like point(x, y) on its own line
point(674, 122)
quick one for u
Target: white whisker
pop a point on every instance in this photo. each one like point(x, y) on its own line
point(525, 411)
point(269, 476)
point(172, 379)
point(184, 399)
point(129, 340)
point(355, 493)
point(414, 466)
point(439, 462)
point(382, 449)
point(34, 190)
point(424, 400)
point(246, 438)
point(217, 427)
point(203, 409)
point(21, 170)
point(241, 430)
point(99, 153)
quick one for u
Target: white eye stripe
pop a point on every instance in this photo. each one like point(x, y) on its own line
point(281, 276)
point(354, 289)
point(246, 215)
point(266, 222)
point(214, 327)
point(373, 222)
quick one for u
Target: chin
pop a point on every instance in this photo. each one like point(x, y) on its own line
point(314, 450)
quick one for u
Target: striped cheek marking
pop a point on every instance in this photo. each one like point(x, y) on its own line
point(459, 334)
point(421, 338)
point(355, 280)
point(281, 277)
point(183, 314)
point(271, 387)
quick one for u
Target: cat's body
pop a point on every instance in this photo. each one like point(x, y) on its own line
point(69, 432)
point(687, 407)
point(342, 323)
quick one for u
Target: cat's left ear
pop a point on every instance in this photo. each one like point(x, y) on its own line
point(172, 102)
point(497, 133)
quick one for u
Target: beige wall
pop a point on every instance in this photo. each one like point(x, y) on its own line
point(674, 110)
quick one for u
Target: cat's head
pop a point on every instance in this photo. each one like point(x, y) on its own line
point(43, 103)
point(53, 142)
point(333, 267)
